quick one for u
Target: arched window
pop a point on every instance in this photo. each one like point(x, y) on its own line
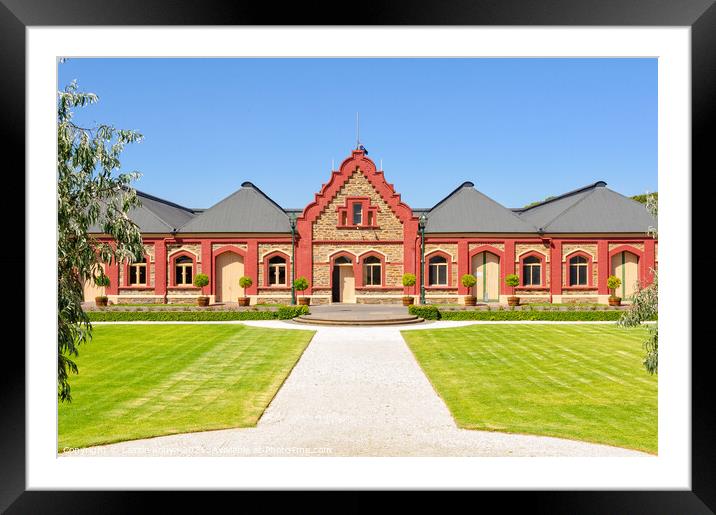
point(183, 271)
point(578, 271)
point(531, 271)
point(372, 271)
point(277, 271)
point(342, 260)
point(137, 274)
point(437, 271)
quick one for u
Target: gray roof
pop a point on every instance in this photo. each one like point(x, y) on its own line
point(155, 215)
point(594, 208)
point(468, 210)
point(246, 210)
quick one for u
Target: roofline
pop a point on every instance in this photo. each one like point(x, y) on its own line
point(249, 184)
point(559, 197)
point(466, 184)
point(163, 201)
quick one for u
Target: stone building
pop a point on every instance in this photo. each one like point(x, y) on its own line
point(357, 238)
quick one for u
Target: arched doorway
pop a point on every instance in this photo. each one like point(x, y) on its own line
point(486, 268)
point(229, 268)
point(344, 282)
point(625, 265)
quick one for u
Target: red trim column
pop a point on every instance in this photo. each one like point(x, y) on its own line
point(251, 266)
point(463, 266)
point(303, 254)
point(206, 265)
point(113, 274)
point(410, 253)
point(602, 267)
point(649, 260)
point(508, 267)
point(555, 261)
point(160, 267)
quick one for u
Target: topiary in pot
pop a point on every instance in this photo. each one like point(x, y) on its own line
point(613, 282)
point(512, 280)
point(408, 281)
point(468, 281)
point(245, 282)
point(102, 281)
point(201, 280)
point(301, 284)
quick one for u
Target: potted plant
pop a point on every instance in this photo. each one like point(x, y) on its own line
point(512, 280)
point(102, 281)
point(201, 280)
point(245, 282)
point(468, 281)
point(613, 282)
point(408, 281)
point(301, 284)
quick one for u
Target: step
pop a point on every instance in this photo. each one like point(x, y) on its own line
point(358, 321)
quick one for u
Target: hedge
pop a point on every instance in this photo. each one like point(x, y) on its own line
point(433, 313)
point(283, 313)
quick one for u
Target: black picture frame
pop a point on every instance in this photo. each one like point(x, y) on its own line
point(17, 15)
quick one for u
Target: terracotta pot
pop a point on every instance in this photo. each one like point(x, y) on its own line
point(244, 301)
point(408, 301)
point(100, 302)
point(304, 301)
point(470, 300)
point(615, 301)
point(202, 301)
point(513, 301)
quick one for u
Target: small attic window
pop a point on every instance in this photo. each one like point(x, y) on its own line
point(357, 213)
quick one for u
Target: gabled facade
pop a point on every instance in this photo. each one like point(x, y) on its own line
point(357, 238)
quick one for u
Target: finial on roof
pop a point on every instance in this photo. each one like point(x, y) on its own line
point(600, 184)
point(248, 184)
point(467, 184)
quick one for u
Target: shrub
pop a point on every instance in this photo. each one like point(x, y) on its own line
point(575, 316)
point(101, 280)
point(409, 280)
point(468, 280)
point(613, 282)
point(201, 280)
point(301, 284)
point(245, 282)
point(426, 312)
point(512, 280)
point(179, 316)
point(289, 312)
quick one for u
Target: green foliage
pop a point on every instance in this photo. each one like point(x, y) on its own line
point(289, 312)
point(512, 280)
point(301, 284)
point(102, 280)
point(245, 282)
point(468, 280)
point(539, 201)
point(91, 192)
point(613, 282)
point(201, 280)
point(645, 197)
point(179, 316)
point(514, 315)
point(409, 280)
point(645, 306)
point(425, 312)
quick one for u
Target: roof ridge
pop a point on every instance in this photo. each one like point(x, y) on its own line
point(163, 201)
point(559, 215)
point(453, 192)
point(158, 217)
point(564, 195)
point(248, 184)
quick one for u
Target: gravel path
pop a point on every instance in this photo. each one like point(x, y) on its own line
point(355, 392)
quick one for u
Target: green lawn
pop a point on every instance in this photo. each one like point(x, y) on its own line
point(138, 381)
point(584, 382)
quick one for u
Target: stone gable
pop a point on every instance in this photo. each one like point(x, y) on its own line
point(389, 225)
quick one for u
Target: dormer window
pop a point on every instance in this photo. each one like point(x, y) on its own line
point(357, 213)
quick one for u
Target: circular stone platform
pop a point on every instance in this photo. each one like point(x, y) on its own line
point(358, 315)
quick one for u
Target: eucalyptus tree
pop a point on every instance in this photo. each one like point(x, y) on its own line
point(91, 191)
point(645, 305)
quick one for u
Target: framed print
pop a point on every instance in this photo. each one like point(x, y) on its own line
point(258, 249)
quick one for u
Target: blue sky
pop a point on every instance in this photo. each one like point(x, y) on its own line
point(520, 129)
